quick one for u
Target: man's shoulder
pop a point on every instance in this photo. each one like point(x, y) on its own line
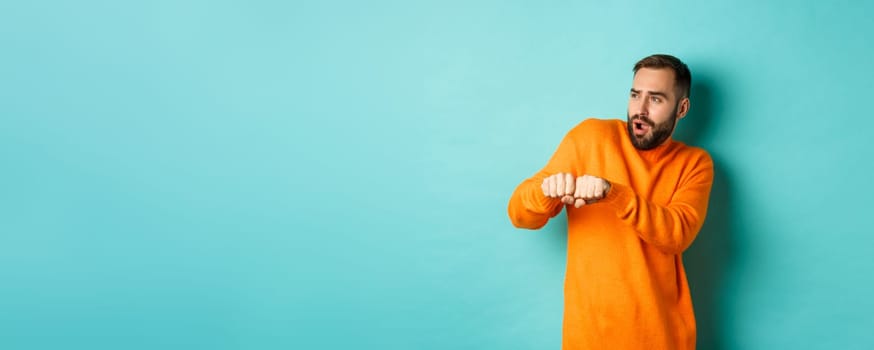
point(596, 127)
point(696, 154)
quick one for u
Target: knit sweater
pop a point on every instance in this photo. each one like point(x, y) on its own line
point(625, 284)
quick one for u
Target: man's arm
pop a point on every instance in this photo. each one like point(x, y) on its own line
point(673, 227)
point(529, 207)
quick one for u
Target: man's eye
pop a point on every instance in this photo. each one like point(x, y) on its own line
point(656, 99)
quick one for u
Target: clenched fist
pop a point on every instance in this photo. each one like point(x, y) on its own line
point(578, 191)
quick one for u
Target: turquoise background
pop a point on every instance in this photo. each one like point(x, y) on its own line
point(332, 175)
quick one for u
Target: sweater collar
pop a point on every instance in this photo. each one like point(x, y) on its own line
point(659, 152)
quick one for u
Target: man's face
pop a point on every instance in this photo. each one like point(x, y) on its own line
point(654, 107)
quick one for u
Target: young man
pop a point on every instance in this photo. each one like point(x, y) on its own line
point(635, 200)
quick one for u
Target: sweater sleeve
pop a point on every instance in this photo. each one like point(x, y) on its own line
point(673, 227)
point(529, 208)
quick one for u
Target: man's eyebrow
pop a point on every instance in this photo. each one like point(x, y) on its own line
point(656, 93)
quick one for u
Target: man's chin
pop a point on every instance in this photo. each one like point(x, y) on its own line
point(641, 142)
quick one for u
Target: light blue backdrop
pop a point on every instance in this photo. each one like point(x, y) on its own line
point(333, 175)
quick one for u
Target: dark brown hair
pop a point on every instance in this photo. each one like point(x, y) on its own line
point(682, 76)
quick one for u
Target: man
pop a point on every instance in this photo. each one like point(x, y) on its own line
point(635, 200)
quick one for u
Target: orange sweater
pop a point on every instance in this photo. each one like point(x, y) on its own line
point(625, 285)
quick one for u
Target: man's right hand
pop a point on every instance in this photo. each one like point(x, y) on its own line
point(561, 185)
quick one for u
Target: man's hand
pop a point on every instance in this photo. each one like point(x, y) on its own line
point(589, 189)
point(586, 189)
point(558, 185)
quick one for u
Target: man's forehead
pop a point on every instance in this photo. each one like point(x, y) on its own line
point(654, 79)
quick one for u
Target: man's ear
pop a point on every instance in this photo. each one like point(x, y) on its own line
point(685, 104)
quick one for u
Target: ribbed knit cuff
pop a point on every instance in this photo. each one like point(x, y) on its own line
point(619, 196)
point(535, 201)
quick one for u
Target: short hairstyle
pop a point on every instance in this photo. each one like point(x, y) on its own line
point(682, 75)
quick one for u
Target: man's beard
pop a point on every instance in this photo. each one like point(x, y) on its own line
point(658, 132)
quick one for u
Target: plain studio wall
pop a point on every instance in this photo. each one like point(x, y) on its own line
point(332, 175)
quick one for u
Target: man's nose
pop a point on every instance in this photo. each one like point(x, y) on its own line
point(643, 108)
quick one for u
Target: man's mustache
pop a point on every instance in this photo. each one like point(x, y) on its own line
point(643, 119)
